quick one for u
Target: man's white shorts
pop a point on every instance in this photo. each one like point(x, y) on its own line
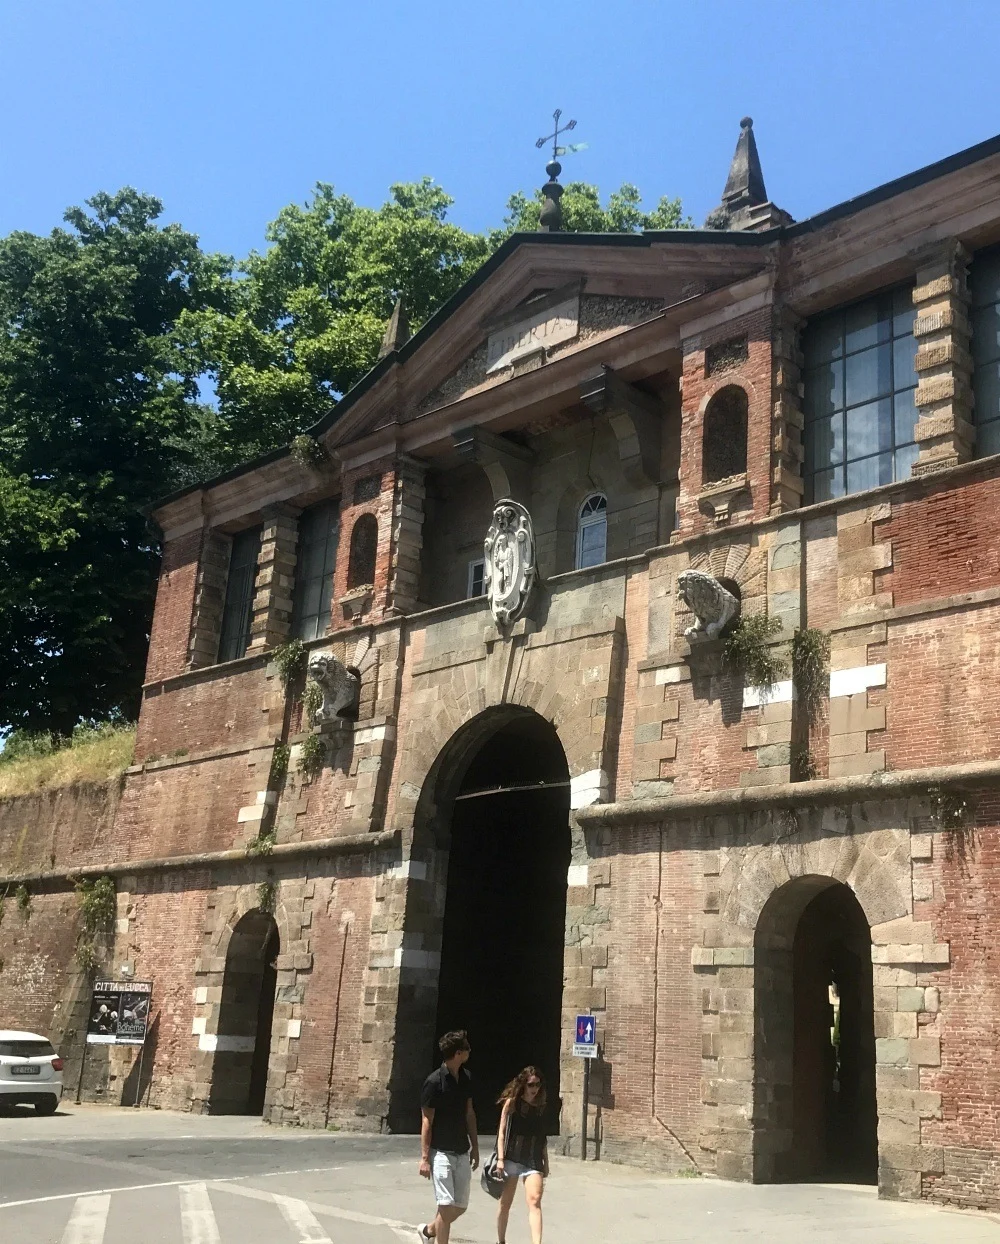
point(451, 1174)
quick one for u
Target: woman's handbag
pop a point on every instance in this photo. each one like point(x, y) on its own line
point(491, 1179)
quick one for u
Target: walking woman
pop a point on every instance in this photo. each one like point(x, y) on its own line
point(522, 1149)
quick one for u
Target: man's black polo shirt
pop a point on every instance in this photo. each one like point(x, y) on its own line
point(448, 1098)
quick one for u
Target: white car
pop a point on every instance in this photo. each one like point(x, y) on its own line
point(30, 1071)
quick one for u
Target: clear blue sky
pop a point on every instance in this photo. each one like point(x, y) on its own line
point(229, 110)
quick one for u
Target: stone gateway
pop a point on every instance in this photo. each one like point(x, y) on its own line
point(523, 779)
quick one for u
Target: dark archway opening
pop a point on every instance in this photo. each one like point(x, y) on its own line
point(815, 1097)
point(246, 1012)
point(505, 912)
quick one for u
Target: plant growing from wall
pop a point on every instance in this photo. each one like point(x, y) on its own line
point(803, 764)
point(312, 755)
point(22, 896)
point(951, 809)
point(267, 895)
point(748, 651)
point(261, 845)
point(98, 910)
point(307, 451)
point(811, 670)
point(279, 765)
point(312, 701)
point(291, 660)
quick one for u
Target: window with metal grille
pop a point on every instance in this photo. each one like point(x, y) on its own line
point(315, 563)
point(364, 549)
point(592, 531)
point(724, 435)
point(859, 396)
point(984, 281)
point(237, 612)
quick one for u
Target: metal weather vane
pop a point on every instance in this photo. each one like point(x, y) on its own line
point(553, 138)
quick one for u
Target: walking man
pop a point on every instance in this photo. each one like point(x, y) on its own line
point(449, 1140)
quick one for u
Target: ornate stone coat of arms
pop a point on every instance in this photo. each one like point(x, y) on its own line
point(509, 572)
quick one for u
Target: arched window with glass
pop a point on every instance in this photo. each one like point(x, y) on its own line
point(592, 532)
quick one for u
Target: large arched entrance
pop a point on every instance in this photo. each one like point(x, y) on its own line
point(815, 1114)
point(243, 1040)
point(505, 817)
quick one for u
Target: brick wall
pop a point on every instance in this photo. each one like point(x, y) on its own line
point(175, 596)
point(963, 881)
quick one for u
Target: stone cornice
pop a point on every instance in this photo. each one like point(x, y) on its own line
point(347, 844)
point(822, 792)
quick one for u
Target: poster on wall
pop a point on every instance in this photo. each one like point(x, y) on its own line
point(119, 1012)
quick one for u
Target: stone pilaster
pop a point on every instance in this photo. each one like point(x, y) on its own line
point(272, 604)
point(787, 420)
point(945, 434)
point(210, 592)
point(407, 534)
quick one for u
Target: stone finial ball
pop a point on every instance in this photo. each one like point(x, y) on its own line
point(746, 123)
point(553, 168)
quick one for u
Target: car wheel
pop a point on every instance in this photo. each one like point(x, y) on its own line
point(47, 1105)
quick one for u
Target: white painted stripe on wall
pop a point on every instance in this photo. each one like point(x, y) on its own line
point(213, 1042)
point(577, 874)
point(780, 693)
point(588, 788)
point(417, 869)
point(856, 680)
point(407, 958)
point(198, 1225)
point(300, 1218)
point(88, 1220)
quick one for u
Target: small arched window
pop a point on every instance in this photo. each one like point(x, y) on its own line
point(592, 531)
point(724, 439)
point(364, 548)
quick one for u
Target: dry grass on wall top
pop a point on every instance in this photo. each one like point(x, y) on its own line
point(92, 756)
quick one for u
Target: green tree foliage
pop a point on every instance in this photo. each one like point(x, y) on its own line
point(107, 327)
point(582, 212)
point(98, 417)
point(310, 312)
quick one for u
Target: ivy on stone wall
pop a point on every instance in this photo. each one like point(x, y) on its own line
point(312, 755)
point(98, 909)
point(291, 660)
point(748, 651)
point(811, 670)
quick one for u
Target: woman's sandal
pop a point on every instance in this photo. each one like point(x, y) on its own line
point(424, 1233)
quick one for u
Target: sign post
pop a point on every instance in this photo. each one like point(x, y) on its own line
point(119, 1015)
point(585, 1046)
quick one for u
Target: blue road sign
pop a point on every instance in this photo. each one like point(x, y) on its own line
point(585, 1037)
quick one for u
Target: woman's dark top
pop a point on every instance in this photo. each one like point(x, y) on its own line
point(525, 1136)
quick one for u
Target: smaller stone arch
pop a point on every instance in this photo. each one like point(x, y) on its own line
point(814, 1092)
point(241, 1044)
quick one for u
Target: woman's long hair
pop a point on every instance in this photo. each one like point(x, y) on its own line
point(514, 1092)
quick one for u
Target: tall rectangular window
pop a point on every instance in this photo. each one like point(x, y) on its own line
point(314, 567)
point(859, 396)
point(237, 612)
point(476, 577)
point(985, 288)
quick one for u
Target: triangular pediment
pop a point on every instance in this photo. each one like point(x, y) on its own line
point(542, 297)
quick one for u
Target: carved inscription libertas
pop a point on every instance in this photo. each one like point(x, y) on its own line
point(547, 327)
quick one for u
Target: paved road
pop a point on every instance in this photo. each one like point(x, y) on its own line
point(102, 1176)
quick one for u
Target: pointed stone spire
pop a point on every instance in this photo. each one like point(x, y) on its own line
point(397, 331)
point(550, 220)
point(745, 186)
point(745, 204)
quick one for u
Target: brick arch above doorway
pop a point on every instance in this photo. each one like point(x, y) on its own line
point(572, 677)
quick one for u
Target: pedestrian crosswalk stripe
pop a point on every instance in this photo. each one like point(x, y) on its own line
point(198, 1225)
point(300, 1218)
point(87, 1221)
